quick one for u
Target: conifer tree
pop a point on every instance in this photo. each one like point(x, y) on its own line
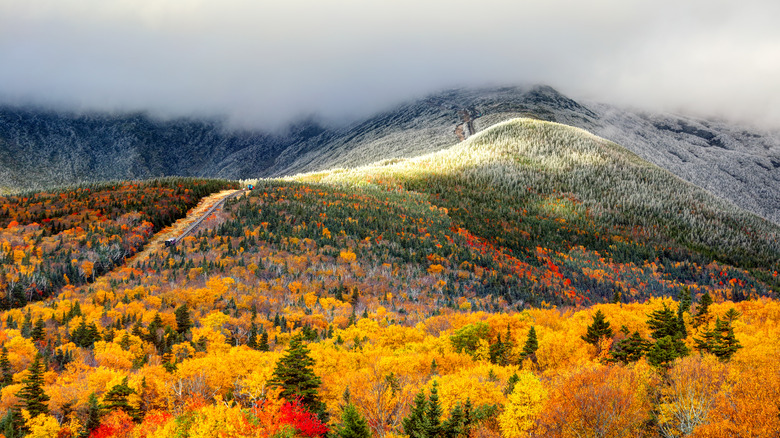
point(294, 374)
point(251, 342)
point(669, 335)
point(510, 384)
point(414, 423)
point(32, 395)
point(617, 296)
point(38, 331)
point(600, 328)
point(116, 398)
point(12, 423)
point(530, 347)
point(703, 312)
point(729, 343)
point(6, 375)
point(183, 321)
point(630, 349)
point(94, 413)
point(719, 341)
point(459, 422)
point(263, 345)
point(433, 413)
point(353, 425)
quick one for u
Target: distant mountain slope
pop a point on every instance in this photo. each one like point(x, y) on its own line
point(38, 149)
point(524, 184)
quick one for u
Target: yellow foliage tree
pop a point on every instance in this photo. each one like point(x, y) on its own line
point(523, 406)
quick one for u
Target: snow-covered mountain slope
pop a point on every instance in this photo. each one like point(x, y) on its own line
point(39, 148)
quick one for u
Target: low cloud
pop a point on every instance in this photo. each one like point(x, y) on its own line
point(262, 64)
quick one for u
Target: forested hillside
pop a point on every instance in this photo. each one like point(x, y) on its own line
point(534, 280)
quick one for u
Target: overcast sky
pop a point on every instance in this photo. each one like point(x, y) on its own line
point(263, 63)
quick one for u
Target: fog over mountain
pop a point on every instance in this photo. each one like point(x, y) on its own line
point(43, 148)
point(264, 64)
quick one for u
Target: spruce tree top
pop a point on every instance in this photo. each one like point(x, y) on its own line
point(600, 328)
point(32, 395)
point(294, 374)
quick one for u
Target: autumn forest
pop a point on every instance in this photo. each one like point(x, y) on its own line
point(532, 281)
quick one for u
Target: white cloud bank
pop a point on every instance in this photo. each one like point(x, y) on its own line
point(263, 63)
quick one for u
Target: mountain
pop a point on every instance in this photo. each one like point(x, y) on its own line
point(470, 273)
point(736, 163)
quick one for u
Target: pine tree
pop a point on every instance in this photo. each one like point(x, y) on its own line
point(669, 335)
point(665, 351)
point(183, 321)
point(630, 349)
point(32, 395)
point(116, 398)
point(415, 423)
point(263, 345)
point(597, 330)
point(664, 323)
point(353, 425)
point(459, 422)
point(729, 343)
point(703, 312)
point(294, 374)
point(12, 423)
point(38, 331)
point(531, 345)
point(510, 384)
point(251, 342)
point(683, 306)
point(6, 374)
point(497, 351)
point(433, 413)
point(719, 341)
point(94, 413)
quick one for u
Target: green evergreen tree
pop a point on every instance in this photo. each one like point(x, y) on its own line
point(12, 423)
point(353, 425)
point(183, 321)
point(433, 426)
point(732, 315)
point(703, 312)
point(38, 331)
point(664, 351)
point(6, 374)
point(94, 413)
point(664, 323)
point(630, 349)
point(510, 384)
point(531, 345)
point(684, 305)
point(33, 397)
point(498, 351)
point(27, 325)
point(719, 341)
point(116, 398)
point(729, 343)
point(600, 328)
point(294, 374)
point(669, 335)
point(415, 423)
point(251, 342)
point(459, 422)
point(263, 345)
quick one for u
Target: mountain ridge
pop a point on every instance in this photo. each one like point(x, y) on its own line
point(735, 163)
